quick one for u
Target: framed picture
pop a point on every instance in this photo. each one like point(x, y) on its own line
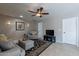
point(20, 26)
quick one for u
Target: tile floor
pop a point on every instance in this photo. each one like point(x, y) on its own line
point(60, 49)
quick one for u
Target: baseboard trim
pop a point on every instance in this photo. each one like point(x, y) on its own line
point(59, 42)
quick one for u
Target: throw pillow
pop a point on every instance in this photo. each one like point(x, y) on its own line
point(3, 37)
point(5, 45)
point(25, 37)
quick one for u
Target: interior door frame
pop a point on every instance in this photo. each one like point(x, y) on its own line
point(76, 31)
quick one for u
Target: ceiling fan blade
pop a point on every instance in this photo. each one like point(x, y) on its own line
point(45, 13)
point(41, 8)
point(38, 10)
point(33, 15)
point(31, 11)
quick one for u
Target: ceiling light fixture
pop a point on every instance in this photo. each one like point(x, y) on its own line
point(21, 16)
point(9, 22)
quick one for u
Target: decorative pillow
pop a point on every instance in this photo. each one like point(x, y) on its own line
point(3, 37)
point(25, 37)
point(34, 32)
point(5, 45)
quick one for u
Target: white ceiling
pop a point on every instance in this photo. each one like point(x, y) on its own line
point(61, 10)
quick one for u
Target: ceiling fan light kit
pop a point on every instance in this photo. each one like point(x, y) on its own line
point(38, 14)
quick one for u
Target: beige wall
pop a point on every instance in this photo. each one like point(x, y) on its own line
point(10, 29)
point(55, 23)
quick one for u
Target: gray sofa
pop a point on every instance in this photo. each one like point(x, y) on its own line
point(16, 51)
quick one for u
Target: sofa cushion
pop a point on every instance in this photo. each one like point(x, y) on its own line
point(5, 45)
point(16, 51)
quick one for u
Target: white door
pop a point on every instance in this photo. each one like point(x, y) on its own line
point(40, 30)
point(69, 31)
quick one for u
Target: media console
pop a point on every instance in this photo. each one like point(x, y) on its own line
point(50, 36)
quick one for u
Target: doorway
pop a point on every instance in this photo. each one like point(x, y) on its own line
point(69, 30)
point(40, 30)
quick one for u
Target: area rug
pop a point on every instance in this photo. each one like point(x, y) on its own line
point(39, 47)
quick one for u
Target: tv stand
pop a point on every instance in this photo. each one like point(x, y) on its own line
point(50, 38)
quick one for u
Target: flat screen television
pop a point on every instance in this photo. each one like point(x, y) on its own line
point(50, 32)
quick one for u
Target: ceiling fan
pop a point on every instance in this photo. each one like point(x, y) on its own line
point(39, 12)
